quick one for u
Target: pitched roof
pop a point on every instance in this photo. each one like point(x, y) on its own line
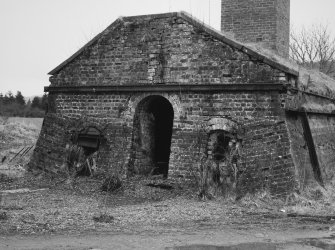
point(274, 61)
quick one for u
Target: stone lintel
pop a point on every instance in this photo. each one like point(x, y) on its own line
point(101, 89)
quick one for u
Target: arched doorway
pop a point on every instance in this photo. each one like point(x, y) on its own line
point(152, 134)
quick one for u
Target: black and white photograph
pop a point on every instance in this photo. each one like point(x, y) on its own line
point(167, 124)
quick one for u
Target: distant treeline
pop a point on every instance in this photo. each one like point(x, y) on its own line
point(11, 105)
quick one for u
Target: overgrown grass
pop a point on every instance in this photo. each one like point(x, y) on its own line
point(17, 134)
point(313, 200)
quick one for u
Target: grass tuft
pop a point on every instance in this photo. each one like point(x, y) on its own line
point(103, 218)
point(312, 200)
point(3, 216)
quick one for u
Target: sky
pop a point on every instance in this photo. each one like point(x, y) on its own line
point(38, 35)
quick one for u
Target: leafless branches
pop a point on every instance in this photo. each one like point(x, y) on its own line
point(314, 48)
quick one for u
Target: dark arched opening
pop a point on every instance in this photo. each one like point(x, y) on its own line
point(82, 153)
point(153, 123)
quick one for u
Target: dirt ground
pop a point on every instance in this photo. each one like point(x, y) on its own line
point(158, 238)
point(45, 216)
point(37, 212)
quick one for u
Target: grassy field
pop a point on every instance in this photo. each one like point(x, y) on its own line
point(26, 121)
point(17, 139)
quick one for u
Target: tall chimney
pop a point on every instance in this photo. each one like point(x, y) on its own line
point(266, 22)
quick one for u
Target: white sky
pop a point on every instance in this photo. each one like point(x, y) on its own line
point(37, 35)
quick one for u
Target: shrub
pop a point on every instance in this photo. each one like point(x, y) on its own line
point(111, 184)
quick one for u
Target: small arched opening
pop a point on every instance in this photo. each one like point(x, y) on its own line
point(152, 132)
point(83, 151)
point(89, 138)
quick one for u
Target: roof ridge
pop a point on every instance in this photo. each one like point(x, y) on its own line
point(199, 24)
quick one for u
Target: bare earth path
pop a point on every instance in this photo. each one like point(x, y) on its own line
point(64, 219)
point(202, 239)
point(143, 217)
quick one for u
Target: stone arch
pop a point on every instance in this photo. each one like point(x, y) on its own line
point(220, 123)
point(152, 134)
point(172, 98)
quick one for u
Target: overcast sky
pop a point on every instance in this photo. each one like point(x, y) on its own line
point(37, 35)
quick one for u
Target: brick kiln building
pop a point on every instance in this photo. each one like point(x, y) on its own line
point(151, 92)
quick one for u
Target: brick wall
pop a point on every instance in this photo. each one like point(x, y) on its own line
point(265, 140)
point(267, 158)
point(322, 128)
point(299, 148)
point(323, 132)
point(50, 152)
point(165, 49)
point(266, 22)
point(315, 109)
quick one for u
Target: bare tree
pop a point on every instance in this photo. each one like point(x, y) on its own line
point(314, 48)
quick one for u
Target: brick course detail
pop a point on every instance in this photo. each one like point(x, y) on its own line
point(266, 22)
point(168, 50)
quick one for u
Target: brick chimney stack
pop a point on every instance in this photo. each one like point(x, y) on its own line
point(266, 22)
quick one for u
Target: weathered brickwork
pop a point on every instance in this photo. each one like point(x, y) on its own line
point(323, 132)
point(146, 50)
point(311, 127)
point(301, 157)
point(50, 153)
point(258, 114)
point(136, 125)
point(266, 22)
point(267, 157)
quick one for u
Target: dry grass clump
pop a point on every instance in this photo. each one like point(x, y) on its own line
point(316, 82)
point(314, 200)
point(103, 218)
point(3, 216)
point(260, 202)
point(111, 184)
